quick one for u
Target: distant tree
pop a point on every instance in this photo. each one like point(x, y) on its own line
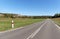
point(56, 15)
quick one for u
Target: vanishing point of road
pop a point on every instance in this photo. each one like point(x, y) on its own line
point(41, 30)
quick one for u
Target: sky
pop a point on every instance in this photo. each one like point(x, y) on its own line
point(30, 7)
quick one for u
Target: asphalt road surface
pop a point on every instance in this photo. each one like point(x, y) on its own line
point(41, 30)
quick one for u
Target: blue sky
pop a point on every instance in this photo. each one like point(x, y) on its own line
point(30, 7)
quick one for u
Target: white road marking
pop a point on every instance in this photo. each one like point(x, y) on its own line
point(11, 30)
point(34, 33)
point(56, 25)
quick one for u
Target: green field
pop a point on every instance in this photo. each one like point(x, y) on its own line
point(5, 23)
point(57, 21)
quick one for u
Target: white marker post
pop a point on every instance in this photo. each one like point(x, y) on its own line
point(12, 24)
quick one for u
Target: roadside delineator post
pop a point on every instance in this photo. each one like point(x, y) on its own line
point(12, 24)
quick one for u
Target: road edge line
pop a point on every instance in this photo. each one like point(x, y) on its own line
point(56, 25)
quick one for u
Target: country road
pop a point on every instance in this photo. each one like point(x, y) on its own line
point(41, 30)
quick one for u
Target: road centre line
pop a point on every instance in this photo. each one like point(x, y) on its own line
point(34, 33)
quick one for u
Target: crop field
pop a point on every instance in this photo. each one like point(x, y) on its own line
point(5, 23)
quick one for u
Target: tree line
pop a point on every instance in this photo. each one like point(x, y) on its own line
point(56, 16)
point(21, 16)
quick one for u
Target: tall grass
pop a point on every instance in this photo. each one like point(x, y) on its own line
point(57, 20)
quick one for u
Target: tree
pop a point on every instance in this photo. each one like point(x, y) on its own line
point(56, 15)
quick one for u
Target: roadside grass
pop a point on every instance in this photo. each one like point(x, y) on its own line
point(5, 23)
point(57, 21)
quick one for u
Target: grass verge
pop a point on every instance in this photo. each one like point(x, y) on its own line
point(5, 23)
point(57, 21)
